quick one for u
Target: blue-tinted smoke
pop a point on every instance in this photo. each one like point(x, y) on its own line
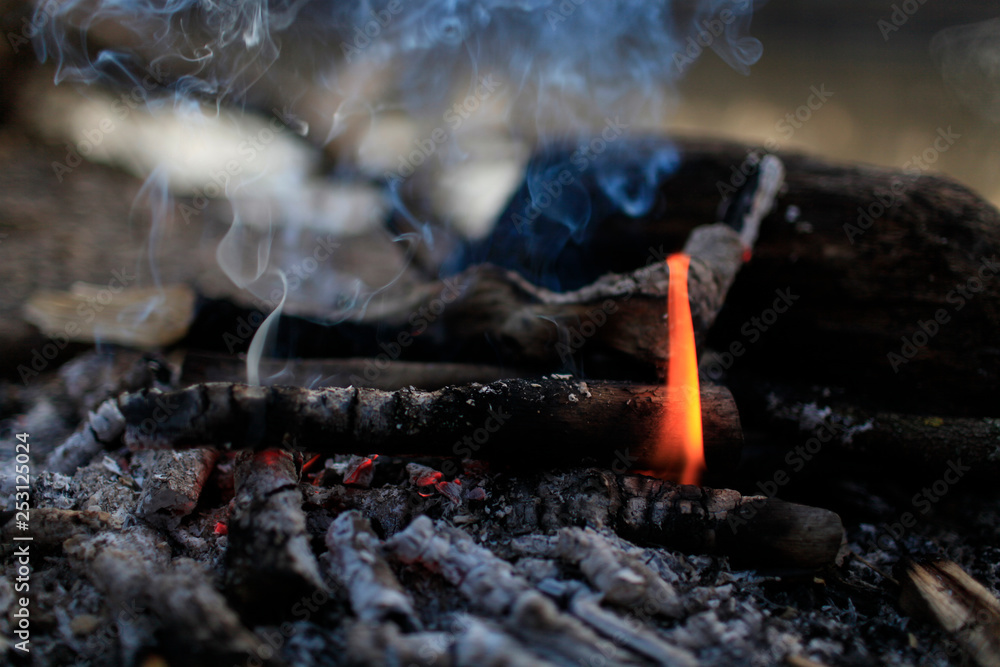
point(581, 75)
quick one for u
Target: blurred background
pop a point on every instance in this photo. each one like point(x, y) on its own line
point(890, 90)
point(215, 144)
point(895, 73)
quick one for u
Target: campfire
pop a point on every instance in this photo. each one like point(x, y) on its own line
point(661, 402)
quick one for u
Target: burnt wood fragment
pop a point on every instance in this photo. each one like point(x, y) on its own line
point(960, 605)
point(269, 560)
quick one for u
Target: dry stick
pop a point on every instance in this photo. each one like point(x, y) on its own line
point(544, 422)
point(958, 603)
point(269, 561)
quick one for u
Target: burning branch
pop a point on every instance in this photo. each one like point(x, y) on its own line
point(551, 420)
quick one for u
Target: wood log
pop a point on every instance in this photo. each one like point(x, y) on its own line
point(861, 286)
point(552, 421)
point(884, 437)
point(753, 531)
point(269, 561)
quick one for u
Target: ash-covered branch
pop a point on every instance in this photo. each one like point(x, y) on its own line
point(492, 585)
point(547, 421)
point(269, 561)
point(357, 563)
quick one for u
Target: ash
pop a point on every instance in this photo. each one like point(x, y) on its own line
point(133, 564)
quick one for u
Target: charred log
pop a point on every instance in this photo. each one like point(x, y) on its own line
point(520, 421)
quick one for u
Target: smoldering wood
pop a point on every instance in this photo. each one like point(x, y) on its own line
point(511, 421)
point(492, 310)
point(173, 599)
point(269, 561)
point(862, 286)
point(879, 436)
point(171, 490)
point(357, 563)
point(373, 373)
point(943, 592)
point(623, 313)
point(484, 308)
point(489, 315)
point(102, 429)
point(752, 531)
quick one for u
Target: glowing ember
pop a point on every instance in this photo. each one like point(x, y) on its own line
point(221, 528)
point(365, 466)
point(680, 451)
point(308, 464)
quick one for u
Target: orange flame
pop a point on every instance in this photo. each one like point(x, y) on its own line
point(680, 450)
